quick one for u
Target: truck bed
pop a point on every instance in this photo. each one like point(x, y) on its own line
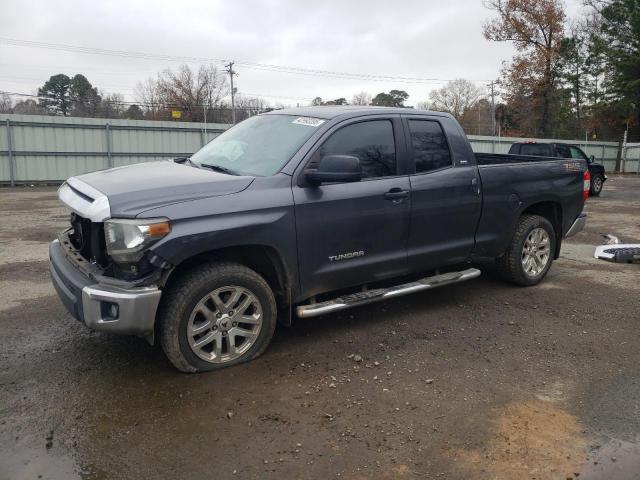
point(510, 181)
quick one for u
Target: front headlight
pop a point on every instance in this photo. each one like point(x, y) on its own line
point(127, 240)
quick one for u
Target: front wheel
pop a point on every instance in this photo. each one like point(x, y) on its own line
point(215, 316)
point(597, 182)
point(529, 256)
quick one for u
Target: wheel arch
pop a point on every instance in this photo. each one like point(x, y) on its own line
point(263, 259)
point(552, 211)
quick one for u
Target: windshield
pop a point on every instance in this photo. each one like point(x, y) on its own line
point(258, 146)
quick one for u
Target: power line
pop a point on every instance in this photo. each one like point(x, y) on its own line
point(124, 102)
point(125, 89)
point(245, 64)
point(143, 104)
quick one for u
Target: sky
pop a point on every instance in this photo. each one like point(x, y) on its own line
point(427, 39)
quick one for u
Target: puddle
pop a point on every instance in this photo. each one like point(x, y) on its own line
point(21, 463)
point(616, 460)
point(534, 440)
point(29, 464)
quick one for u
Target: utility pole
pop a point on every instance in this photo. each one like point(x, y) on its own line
point(231, 73)
point(204, 114)
point(493, 108)
point(205, 107)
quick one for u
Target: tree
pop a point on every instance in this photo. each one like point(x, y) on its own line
point(361, 98)
point(83, 97)
point(477, 118)
point(572, 69)
point(620, 33)
point(249, 106)
point(61, 95)
point(134, 112)
point(185, 90)
point(337, 101)
point(6, 105)
point(395, 98)
point(456, 98)
point(536, 29)
point(28, 107)
point(55, 95)
point(112, 106)
point(149, 97)
point(316, 102)
point(581, 73)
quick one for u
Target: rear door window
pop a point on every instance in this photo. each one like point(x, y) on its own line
point(429, 145)
point(562, 151)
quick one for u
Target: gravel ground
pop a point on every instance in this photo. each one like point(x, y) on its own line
point(477, 380)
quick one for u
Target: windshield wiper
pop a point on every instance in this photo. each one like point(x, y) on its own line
point(218, 168)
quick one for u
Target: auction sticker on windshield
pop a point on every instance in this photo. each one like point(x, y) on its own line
point(308, 121)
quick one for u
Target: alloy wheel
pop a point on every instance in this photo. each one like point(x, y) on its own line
point(597, 184)
point(224, 324)
point(536, 252)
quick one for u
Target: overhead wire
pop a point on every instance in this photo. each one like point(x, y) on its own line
point(247, 64)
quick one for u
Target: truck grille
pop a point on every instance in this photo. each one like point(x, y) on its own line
point(88, 238)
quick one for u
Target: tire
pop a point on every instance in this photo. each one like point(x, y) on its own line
point(512, 264)
point(597, 182)
point(197, 324)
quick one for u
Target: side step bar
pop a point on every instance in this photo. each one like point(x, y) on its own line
point(362, 298)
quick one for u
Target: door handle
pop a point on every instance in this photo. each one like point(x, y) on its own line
point(396, 195)
point(475, 186)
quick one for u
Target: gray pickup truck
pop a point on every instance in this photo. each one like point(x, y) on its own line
point(309, 210)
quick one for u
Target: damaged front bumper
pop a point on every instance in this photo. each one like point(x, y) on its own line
point(121, 309)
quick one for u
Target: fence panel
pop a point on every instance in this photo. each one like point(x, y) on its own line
point(6, 159)
point(632, 162)
point(43, 148)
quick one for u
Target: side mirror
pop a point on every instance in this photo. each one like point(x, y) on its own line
point(336, 169)
point(592, 158)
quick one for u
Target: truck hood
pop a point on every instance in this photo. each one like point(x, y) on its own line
point(135, 188)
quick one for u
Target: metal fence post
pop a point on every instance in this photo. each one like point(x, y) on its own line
point(202, 137)
point(109, 157)
point(12, 169)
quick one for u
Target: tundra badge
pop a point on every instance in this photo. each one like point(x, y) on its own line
point(345, 256)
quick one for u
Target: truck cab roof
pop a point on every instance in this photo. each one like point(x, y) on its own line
point(349, 111)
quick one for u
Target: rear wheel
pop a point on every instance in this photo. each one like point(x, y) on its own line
point(530, 254)
point(215, 316)
point(597, 182)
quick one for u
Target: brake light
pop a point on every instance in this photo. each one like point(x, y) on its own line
point(586, 185)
